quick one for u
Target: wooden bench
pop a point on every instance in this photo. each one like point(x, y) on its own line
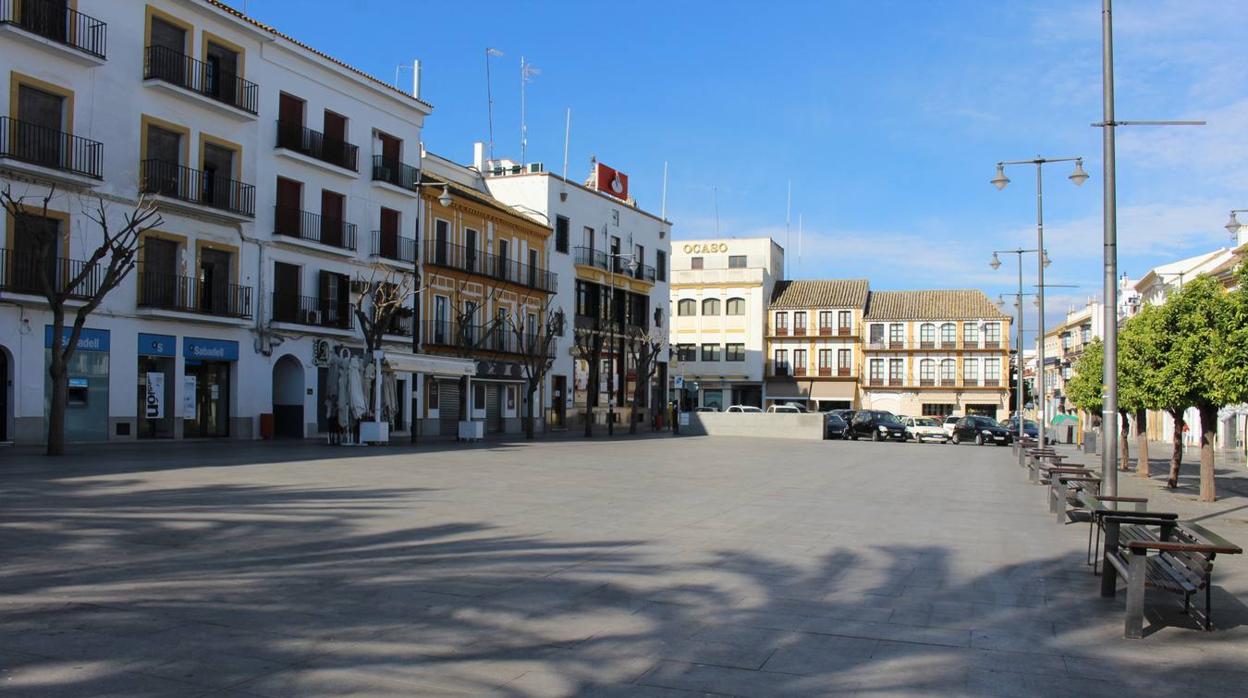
point(1037, 471)
point(1067, 483)
point(1037, 457)
point(1098, 507)
point(1182, 563)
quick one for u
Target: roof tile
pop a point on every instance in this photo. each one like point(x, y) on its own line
point(830, 293)
point(931, 305)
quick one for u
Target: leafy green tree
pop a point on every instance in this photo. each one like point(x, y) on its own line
point(1143, 349)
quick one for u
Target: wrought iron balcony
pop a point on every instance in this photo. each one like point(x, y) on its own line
point(601, 260)
point(291, 222)
point(391, 245)
point(20, 273)
point(200, 187)
point(174, 67)
point(479, 338)
point(312, 311)
point(473, 261)
point(317, 145)
point(396, 173)
point(46, 147)
point(189, 294)
point(56, 21)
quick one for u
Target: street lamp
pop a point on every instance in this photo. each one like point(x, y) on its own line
point(445, 200)
point(1018, 410)
point(632, 269)
point(1233, 226)
point(1078, 177)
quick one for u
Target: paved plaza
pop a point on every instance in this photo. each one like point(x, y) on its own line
point(644, 567)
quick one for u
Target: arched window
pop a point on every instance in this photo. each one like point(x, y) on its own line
point(948, 333)
point(710, 306)
point(948, 370)
point(927, 371)
point(927, 334)
point(687, 306)
point(735, 306)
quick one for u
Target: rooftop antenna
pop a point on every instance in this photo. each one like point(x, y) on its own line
point(663, 207)
point(567, 135)
point(527, 73)
point(489, 95)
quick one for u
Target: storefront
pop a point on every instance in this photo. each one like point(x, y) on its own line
point(86, 411)
point(156, 375)
point(206, 386)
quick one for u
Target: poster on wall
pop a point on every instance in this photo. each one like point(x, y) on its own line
point(154, 397)
point(189, 388)
point(511, 398)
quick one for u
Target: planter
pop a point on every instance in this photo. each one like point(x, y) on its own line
point(374, 432)
point(471, 431)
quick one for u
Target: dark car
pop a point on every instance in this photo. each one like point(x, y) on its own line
point(1030, 428)
point(877, 426)
point(847, 415)
point(834, 427)
point(981, 430)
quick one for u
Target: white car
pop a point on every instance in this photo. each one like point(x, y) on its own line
point(743, 408)
point(950, 422)
point(924, 429)
point(785, 409)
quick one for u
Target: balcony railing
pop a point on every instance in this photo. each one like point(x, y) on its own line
point(19, 273)
point(189, 294)
point(496, 338)
point(825, 330)
point(875, 381)
point(896, 344)
point(799, 330)
point(176, 68)
point(894, 382)
point(317, 145)
point(396, 173)
point(927, 344)
point(291, 222)
point(313, 311)
point(799, 370)
point(992, 382)
point(948, 345)
point(55, 21)
point(989, 344)
point(825, 371)
point(589, 257)
point(927, 382)
point(780, 331)
point(842, 371)
point(604, 261)
point(197, 187)
point(948, 382)
point(970, 382)
point(876, 345)
point(401, 324)
point(46, 147)
point(473, 261)
point(844, 330)
point(391, 245)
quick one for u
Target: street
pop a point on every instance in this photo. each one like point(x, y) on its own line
point(653, 566)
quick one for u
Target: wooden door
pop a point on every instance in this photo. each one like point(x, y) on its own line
point(332, 206)
point(285, 292)
point(389, 234)
point(289, 204)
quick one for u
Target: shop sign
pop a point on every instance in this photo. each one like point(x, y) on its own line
point(209, 349)
point(88, 339)
point(154, 396)
point(499, 369)
point(612, 181)
point(157, 345)
point(705, 248)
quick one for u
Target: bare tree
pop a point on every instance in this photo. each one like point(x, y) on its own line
point(383, 303)
point(58, 281)
point(643, 347)
point(470, 336)
point(589, 341)
point(536, 347)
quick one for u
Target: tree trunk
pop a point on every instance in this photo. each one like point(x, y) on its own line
point(1208, 439)
point(528, 422)
point(1141, 441)
point(591, 390)
point(1124, 438)
point(1176, 453)
point(58, 374)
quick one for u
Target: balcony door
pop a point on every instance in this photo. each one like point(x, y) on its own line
point(164, 155)
point(221, 73)
point(39, 136)
point(335, 147)
point(285, 292)
point(333, 206)
point(29, 235)
point(218, 176)
point(335, 299)
point(441, 326)
point(390, 147)
point(46, 18)
point(160, 273)
point(470, 249)
point(167, 55)
point(214, 281)
point(504, 249)
point(441, 241)
point(289, 204)
point(388, 237)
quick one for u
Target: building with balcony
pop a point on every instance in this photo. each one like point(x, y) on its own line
point(284, 178)
point(935, 353)
point(813, 342)
point(720, 292)
point(486, 273)
point(611, 257)
point(1063, 345)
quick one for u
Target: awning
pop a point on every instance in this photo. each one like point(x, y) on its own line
point(429, 364)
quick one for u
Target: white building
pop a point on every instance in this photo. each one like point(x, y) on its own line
point(600, 234)
point(720, 292)
point(1063, 345)
point(281, 175)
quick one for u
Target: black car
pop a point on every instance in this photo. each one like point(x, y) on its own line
point(847, 415)
point(877, 426)
point(1029, 427)
point(834, 427)
point(981, 430)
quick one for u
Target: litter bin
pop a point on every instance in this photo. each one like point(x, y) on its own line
point(266, 425)
point(1089, 442)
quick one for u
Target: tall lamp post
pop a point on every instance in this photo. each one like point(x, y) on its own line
point(1000, 181)
point(632, 268)
point(996, 264)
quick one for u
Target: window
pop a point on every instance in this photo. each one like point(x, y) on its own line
point(686, 307)
point(686, 352)
point(41, 113)
point(844, 319)
point(1085, 334)
point(992, 332)
point(782, 362)
point(992, 371)
point(587, 238)
point(710, 352)
point(877, 370)
point(660, 265)
point(799, 322)
point(877, 335)
point(695, 262)
point(936, 409)
point(948, 371)
point(734, 352)
point(948, 333)
point(825, 360)
point(734, 306)
point(927, 334)
point(843, 359)
point(896, 370)
point(561, 234)
point(927, 372)
point(782, 323)
point(825, 321)
point(970, 370)
point(897, 334)
point(736, 261)
point(710, 306)
point(970, 333)
point(799, 362)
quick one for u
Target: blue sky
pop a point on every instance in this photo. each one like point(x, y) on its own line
point(887, 116)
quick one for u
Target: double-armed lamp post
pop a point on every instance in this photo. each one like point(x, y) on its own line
point(1000, 181)
point(1019, 401)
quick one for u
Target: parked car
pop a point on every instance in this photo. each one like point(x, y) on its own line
point(876, 425)
point(834, 427)
point(1030, 428)
point(922, 429)
point(786, 409)
point(847, 415)
point(707, 409)
point(743, 408)
point(981, 430)
point(948, 423)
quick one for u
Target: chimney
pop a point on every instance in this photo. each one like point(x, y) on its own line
point(416, 79)
point(478, 156)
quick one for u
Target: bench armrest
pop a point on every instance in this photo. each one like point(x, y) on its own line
point(1211, 537)
point(1138, 546)
point(1108, 498)
point(1151, 518)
